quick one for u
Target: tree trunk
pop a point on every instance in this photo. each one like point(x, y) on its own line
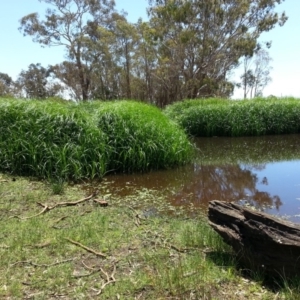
point(261, 242)
point(84, 82)
point(128, 87)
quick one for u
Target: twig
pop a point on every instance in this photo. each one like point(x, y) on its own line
point(60, 219)
point(86, 248)
point(93, 271)
point(57, 221)
point(137, 216)
point(109, 279)
point(86, 266)
point(161, 241)
point(42, 265)
point(46, 209)
point(73, 203)
point(43, 245)
point(86, 212)
point(178, 249)
point(4, 180)
point(102, 203)
point(32, 296)
point(87, 274)
point(60, 204)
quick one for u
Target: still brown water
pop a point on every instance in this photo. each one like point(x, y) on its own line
point(263, 172)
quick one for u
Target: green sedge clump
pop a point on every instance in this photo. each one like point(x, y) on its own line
point(217, 117)
point(140, 137)
point(64, 140)
point(49, 140)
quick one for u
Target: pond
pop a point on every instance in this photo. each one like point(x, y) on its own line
point(261, 172)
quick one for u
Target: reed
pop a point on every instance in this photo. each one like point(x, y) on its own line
point(256, 117)
point(140, 137)
point(49, 140)
point(65, 141)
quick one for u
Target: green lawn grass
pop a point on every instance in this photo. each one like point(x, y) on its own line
point(53, 246)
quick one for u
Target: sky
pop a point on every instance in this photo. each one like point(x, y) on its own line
point(18, 52)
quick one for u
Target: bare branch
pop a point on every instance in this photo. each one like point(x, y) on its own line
point(28, 262)
point(86, 248)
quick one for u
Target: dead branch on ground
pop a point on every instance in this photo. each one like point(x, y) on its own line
point(108, 280)
point(28, 262)
point(86, 248)
point(60, 204)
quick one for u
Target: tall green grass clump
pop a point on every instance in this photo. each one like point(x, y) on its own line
point(140, 136)
point(237, 118)
point(49, 140)
point(62, 141)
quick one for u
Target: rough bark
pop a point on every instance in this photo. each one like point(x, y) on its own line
point(261, 242)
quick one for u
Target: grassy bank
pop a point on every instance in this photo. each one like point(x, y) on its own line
point(217, 117)
point(57, 246)
point(63, 141)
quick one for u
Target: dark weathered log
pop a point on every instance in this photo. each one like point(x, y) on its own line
point(262, 242)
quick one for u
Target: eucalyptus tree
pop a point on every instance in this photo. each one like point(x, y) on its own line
point(261, 69)
point(99, 67)
point(6, 84)
point(112, 52)
point(199, 42)
point(36, 83)
point(67, 73)
point(256, 73)
point(248, 80)
point(126, 41)
point(72, 24)
point(143, 63)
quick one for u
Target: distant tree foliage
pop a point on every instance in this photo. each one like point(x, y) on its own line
point(199, 42)
point(34, 83)
point(6, 84)
point(256, 75)
point(186, 49)
point(74, 25)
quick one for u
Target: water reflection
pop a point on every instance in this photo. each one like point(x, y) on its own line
point(262, 172)
point(252, 150)
point(227, 183)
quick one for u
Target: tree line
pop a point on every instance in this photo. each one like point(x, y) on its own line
point(186, 49)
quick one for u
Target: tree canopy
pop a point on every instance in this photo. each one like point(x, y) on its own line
point(5, 84)
point(186, 49)
point(36, 83)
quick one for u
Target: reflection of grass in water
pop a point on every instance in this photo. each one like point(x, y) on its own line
point(255, 150)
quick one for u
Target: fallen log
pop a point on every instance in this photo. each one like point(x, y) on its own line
point(261, 242)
